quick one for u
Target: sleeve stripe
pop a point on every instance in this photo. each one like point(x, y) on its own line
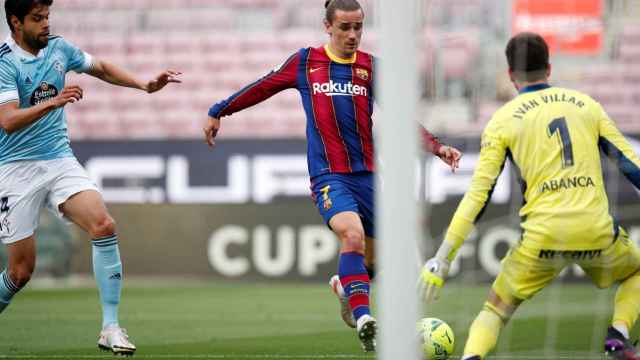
point(239, 94)
point(521, 181)
point(9, 101)
point(247, 88)
point(88, 62)
point(628, 167)
point(235, 96)
point(8, 96)
point(493, 187)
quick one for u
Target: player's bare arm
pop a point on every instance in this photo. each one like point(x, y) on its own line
point(211, 130)
point(13, 118)
point(116, 75)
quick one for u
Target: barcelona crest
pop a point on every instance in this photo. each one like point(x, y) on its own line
point(326, 200)
point(362, 74)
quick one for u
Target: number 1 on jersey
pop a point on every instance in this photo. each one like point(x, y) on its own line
point(560, 125)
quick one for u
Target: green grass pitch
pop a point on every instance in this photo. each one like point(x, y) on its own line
point(275, 321)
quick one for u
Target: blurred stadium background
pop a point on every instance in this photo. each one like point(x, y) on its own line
point(238, 220)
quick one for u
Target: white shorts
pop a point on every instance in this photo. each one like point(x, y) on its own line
point(27, 186)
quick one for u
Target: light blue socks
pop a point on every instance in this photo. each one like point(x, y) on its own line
point(107, 269)
point(7, 290)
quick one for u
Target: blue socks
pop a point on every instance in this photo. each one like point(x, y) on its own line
point(7, 290)
point(107, 269)
point(355, 281)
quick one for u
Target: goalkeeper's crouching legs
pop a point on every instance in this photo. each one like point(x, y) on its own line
point(485, 329)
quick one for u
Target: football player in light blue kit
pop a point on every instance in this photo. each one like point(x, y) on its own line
point(37, 166)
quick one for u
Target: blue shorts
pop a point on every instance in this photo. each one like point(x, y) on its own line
point(336, 193)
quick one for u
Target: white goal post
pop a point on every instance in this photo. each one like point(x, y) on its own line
point(397, 208)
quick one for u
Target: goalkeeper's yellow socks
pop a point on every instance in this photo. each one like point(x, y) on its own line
point(627, 305)
point(484, 332)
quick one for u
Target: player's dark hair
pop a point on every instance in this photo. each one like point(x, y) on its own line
point(331, 6)
point(21, 8)
point(528, 56)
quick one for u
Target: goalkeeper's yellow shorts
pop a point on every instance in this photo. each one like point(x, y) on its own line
point(525, 271)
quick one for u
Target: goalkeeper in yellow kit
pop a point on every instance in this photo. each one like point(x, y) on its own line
point(553, 136)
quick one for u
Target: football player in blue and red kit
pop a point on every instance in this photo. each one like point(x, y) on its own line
point(336, 83)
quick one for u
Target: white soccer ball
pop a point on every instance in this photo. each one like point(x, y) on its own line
point(437, 341)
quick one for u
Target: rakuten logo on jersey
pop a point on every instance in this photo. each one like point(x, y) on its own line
point(333, 88)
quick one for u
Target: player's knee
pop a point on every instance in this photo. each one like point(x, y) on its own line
point(497, 311)
point(352, 241)
point(21, 274)
point(105, 226)
point(497, 305)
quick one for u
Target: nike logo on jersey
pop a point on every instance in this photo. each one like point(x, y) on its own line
point(312, 70)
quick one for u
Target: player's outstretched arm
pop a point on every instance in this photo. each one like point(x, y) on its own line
point(116, 75)
point(490, 164)
point(13, 118)
point(281, 78)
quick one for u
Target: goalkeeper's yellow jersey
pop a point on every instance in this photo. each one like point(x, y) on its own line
point(553, 137)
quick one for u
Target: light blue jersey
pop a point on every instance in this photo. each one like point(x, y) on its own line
point(31, 80)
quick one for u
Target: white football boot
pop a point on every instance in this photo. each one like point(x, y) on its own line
point(367, 329)
point(115, 339)
point(345, 310)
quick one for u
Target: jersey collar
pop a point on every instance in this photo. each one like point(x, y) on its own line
point(532, 88)
point(22, 54)
point(336, 58)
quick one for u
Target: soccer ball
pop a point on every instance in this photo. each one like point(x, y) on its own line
point(436, 338)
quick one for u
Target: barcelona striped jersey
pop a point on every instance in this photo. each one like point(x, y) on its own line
point(337, 96)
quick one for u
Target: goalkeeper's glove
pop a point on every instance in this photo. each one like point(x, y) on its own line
point(434, 273)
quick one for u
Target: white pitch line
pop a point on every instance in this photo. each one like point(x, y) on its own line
point(536, 357)
point(267, 356)
point(194, 356)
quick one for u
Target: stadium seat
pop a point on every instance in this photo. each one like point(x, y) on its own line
point(220, 57)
